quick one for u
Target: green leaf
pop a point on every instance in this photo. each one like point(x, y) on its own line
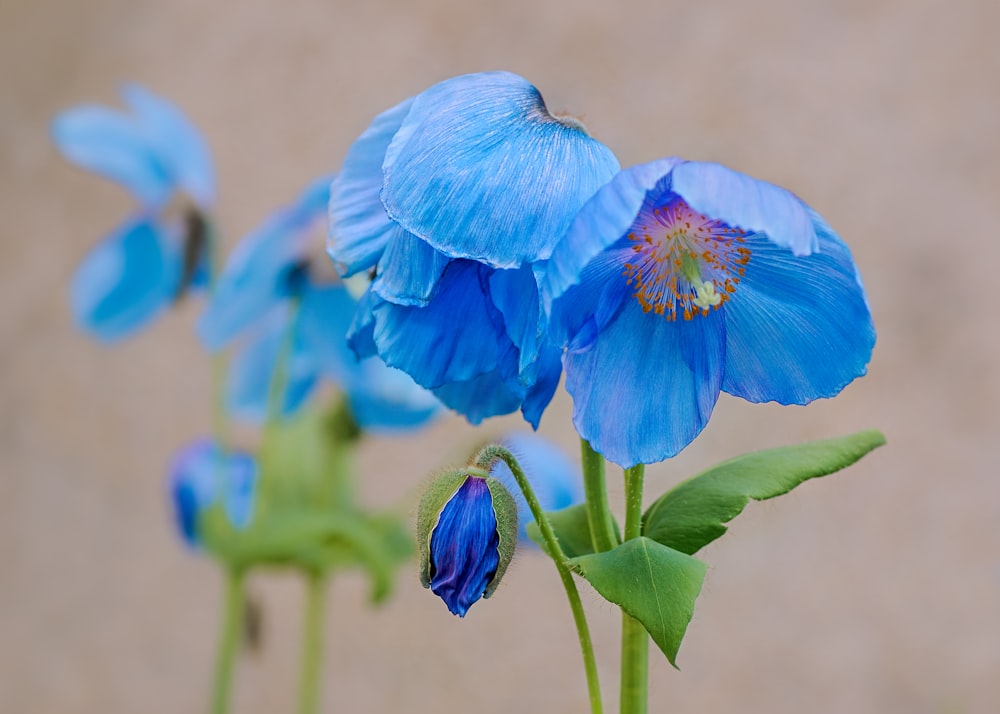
point(692, 514)
point(651, 582)
point(572, 529)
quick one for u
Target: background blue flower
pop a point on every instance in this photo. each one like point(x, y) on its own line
point(680, 279)
point(455, 197)
point(145, 264)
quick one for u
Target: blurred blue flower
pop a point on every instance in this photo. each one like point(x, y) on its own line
point(680, 279)
point(556, 481)
point(269, 293)
point(456, 197)
point(146, 263)
point(201, 475)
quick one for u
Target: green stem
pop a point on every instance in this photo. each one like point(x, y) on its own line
point(635, 639)
point(602, 524)
point(229, 640)
point(485, 459)
point(312, 643)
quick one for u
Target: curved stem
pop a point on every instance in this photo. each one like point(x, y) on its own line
point(635, 639)
point(312, 643)
point(602, 524)
point(229, 640)
point(485, 459)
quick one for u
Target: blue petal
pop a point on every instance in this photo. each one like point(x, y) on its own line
point(253, 368)
point(556, 481)
point(385, 399)
point(409, 270)
point(515, 294)
point(481, 397)
point(240, 489)
point(545, 381)
point(126, 280)
point(324, 318)
point(646, 387)
point(746, 202)
point(798, 328)
point(258, 274)
point(359, 226)
point(456, 337)
point(480, 169)
point(361, 332)
point(112, 145)
point(179, 145)
point(465, 547)
point(602, 221)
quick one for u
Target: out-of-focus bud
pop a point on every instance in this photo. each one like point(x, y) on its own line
point(466, 532)
point(201, 474)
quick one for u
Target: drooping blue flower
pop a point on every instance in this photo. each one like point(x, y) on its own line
point(455, 198)
point(269, 294)
point(202, 474)
point(145, 264)
point(556, 481)
point(680, 279)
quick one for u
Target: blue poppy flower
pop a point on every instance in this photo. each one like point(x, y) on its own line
point(454, 199)
point(556, 481)
point(145, 264)
point(680, 279)
point(201, 475)
point(269, 293)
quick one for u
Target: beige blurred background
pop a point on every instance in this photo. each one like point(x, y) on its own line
point(877, 590)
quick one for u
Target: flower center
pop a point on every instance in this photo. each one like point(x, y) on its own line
point(684, 263)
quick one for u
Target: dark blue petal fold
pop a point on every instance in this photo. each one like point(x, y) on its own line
point(798, 328)
point(409, 270)
point(464, 547)
point(646, 387)
point(127, 279)
point(481, 170)
point(482, 397)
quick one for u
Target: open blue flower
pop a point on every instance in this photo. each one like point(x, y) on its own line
point(201, 475)
point(269, 293)
point(680, 279)
point(148, 261)
point(454, 199)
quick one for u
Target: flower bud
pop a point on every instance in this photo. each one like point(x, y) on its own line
point(466, 531)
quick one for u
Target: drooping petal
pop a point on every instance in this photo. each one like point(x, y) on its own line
point(480, 169)
point(747, 203)
point(113, 145)
point(409, 270)
point(385, 399)
point(457, 336)
point(361, 332)
point(646, 387)
point(258, 274)
point(798, 328)
point(484, 396)
point(464, 547)
point(126, 280)
point(544, 382)
point(601, 222)
point(179, 145)
point(253, 369)
point(556, 481)
point(359, 226)
point(324, 318)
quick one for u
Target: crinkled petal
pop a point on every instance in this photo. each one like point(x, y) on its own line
point(257, 275)
point(480, 169)
point(544, 382)
point(361, 332)
point(385, 399)
point(464, 547)
point(253, 366)
point(515, 294)
point(602, 221)
point(481, 397)
point(179, 144)
point(126, 280)
point(113, 145)
point(409, 270)
point(359, 226)
point(747, 203)
point(457, 336)
point(646, 387)
point(556, 481)
point(798, 328)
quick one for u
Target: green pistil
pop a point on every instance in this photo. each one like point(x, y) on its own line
point(705, 294)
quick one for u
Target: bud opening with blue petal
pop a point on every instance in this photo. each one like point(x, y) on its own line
point(466, 532)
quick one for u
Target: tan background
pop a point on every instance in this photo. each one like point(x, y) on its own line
point(874, 591)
